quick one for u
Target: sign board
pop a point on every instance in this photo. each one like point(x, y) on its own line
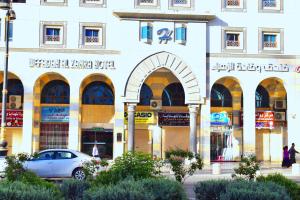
point(174, 119)
point(141, 117)
point(219, 119)
point(55, 114)
point(264, 119)
point(14, 118)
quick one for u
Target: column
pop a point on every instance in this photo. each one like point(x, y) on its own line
point(118, 146)
point(27, 119)
point(157, 141)
point(249, 132)
point(205, 132)
point(131, 126)
point(193, 109)
point(74, 126)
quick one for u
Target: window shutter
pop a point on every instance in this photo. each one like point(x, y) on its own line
point(180, 33)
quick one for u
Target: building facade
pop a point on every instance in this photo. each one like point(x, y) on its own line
point(219, 77)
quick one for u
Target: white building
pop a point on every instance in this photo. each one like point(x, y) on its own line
point(218, 77)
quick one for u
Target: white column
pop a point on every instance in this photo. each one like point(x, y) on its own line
point(131, 126)
point(193, 109)
point(205, 132)
point(74, 125)
point(157, 141)
point(27, 119)
point(118, 146)
point(249, 132)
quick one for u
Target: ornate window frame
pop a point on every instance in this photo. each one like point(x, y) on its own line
point(241, 8)
point(93, 25)
point(54, 2)
point(279, 32)
point(189, 6)
point(62, 25)
point(139, 4)
point(242, 31)
point(277, 9)
point(93, 3)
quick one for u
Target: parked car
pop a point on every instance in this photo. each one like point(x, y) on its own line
point(58, 163)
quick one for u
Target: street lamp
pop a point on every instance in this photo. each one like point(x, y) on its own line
point(10, 15)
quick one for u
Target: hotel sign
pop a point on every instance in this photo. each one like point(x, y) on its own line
point(232, 66)
point(141, 117)
point(72, 64)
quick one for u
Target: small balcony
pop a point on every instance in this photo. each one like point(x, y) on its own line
point(270, 44)
point(269, 3)
point(232, 43)
point(232, 2)
point(91, 39)
point(52, 38)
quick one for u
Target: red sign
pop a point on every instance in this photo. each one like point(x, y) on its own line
point(14, 118)
point(264, 119)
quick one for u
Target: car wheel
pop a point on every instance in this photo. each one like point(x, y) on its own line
point(79, 174)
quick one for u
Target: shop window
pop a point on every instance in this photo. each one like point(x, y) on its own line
point(220, 96)
point(53, 34)
point(14, 88)
point(173, 95)
point(92, 35)
point(234, 39)
point(98, 93)
point(271, 5)
point(181, 4)
point(147, 3)
point(146, 32)
point(54, 135)
point(261, 97)
point(234, 5)
point(271, 40)
point(56, 92)
point(145, 95)
point(93, 3)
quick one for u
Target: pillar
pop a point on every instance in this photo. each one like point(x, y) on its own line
point(27, 119)
point(118, 146)
point(193, 110)
point(131, 126)
point(74, 114)
point(205, 132)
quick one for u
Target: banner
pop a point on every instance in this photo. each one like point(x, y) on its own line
point(14, 118)
point(264, 119)
point(141, 117)
point(219, 119)
point(55, 114)
point(174, 119)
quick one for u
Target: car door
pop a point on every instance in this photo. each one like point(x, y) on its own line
point(42, 165)
point(64, 164)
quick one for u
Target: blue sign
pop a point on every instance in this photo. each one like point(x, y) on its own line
point(55, 114)
point(219, 119)
point(166, 35)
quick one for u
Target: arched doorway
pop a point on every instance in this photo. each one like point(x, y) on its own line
point(51, 112)
point(14, 112)
point(97, 115)
point(226, 120)
point(271, 121)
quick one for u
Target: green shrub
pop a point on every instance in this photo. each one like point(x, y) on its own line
point(73, 189)
point(211, 189)
point(21, 191)
point(247, 168)
point(180, 153)
point(292, 187)
point(106, 178)
point(14, 166)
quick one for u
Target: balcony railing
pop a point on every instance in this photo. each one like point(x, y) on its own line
point(270, 44)
point(269, 3)
point(91, 39)
point(180, 2)
point(52, 38)
point(232, 43)
point(232, 2)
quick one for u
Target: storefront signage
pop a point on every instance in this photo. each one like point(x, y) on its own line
point(174, 119)
point(141, 117)
point(264, 119)
point(165, 35)
point(219, 119)
point(55, 114)
point(14, 118)
point(72, 64)
point(231, 66)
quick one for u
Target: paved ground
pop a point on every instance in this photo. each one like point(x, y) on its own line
point(226, 172)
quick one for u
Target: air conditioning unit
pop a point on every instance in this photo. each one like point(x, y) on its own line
point(15, 102)
point(155, 104)
point(279, 116)
point(280, 104)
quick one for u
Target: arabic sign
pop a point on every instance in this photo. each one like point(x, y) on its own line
point(264, 119)
point(219, 119)
point(141, 117)
point(232, 66)
point(55, 114)
point(14, 118)
point(174, 119)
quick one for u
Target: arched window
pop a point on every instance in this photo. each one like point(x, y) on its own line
point(14, 87)
point(56, 92)
point(173, 95)
point(220, 96)
point(261, 97)
point(145, 95)
point(98, 93)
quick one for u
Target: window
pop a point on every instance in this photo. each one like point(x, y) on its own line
point(261, 97)
point(56, 92)
point(180, 33)
point(173, 95)
point(64, 155)
point(146, 32)
point(53, 34)
point(234, 5)
point(181, 4)
point(54, 2)
point(234, 39)
point(271, 6)
point(145, 95)
point(220, 96)
point(98, 93)
point(92, 35)
point(14, 87)
point(270, 40)
point(93, 3)
point(147, 3)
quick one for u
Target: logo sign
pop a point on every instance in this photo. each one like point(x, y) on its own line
point(14, 118)
point(219, 119)
point(297, 69)
point(174, 119)
point(165, 35)
point(141, 117)
point(55, 114)
point(264, 119)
